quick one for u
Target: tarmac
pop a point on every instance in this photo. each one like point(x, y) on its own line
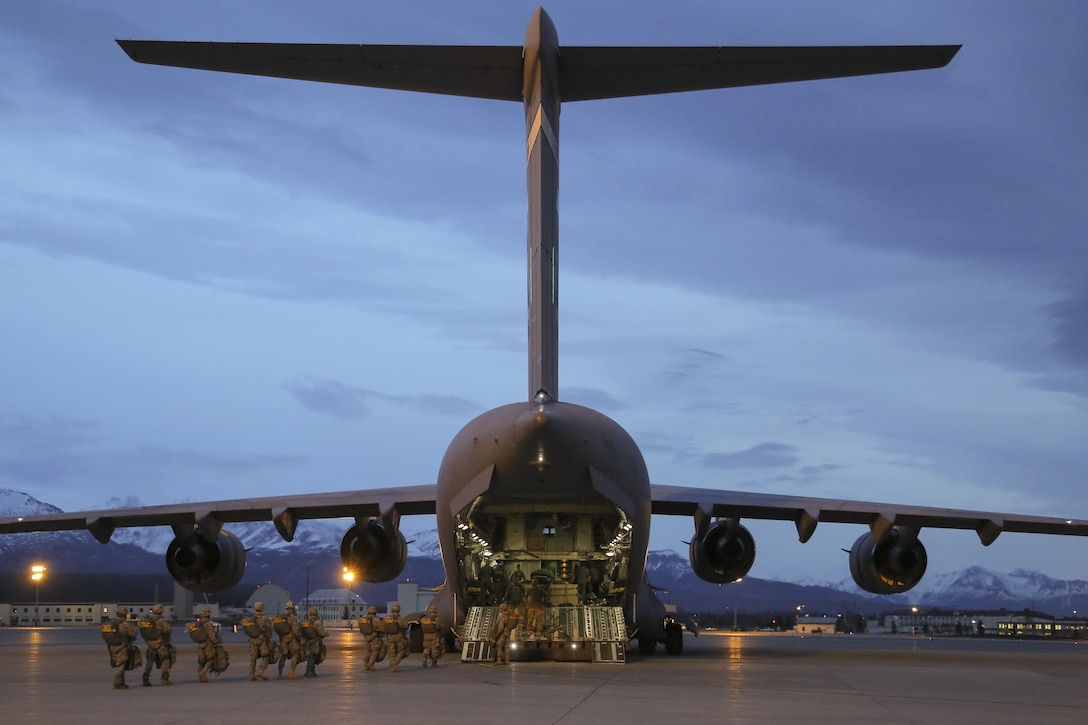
point(52, 675)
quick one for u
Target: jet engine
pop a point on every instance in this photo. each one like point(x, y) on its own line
point(202, 565)
point(891, 567)
point(375, 551)
point(722, 551)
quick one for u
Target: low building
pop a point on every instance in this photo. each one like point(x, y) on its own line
point(67, 614)
point(816, 624)
point(334, 605)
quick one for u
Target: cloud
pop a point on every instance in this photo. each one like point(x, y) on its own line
point(763, 455)
point(340, 400)
point(1070, 322)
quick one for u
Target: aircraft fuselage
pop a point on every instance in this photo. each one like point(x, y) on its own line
point(550, 488)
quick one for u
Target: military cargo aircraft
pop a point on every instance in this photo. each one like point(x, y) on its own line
point(552, 491)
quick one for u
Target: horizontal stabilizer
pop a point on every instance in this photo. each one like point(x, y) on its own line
point(609, 72)
point(495, 72)
point(455, 70)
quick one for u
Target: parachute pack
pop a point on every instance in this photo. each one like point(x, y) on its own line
point(281, 624)
point(111, 633)
point(309, 631)
point(249, 626)
point(196, 631)
point(148, 630)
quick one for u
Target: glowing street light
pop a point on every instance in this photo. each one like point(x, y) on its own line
point(37, 573)
point(349, 575)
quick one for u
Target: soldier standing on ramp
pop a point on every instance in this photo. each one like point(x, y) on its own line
point(124, 655)
point(160, 651)
point(259, 630)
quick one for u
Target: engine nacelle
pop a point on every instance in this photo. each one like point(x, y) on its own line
point(374, 551)
point(892, 567)
point(202, 565)
point(724, 553)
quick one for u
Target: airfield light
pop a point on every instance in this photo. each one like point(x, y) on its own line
point(349, 575)
point(37, 573)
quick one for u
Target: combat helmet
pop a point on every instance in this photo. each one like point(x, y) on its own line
point(371, 610)
point(290, 606)
point(313, 611)
point(157, 609)
point(396, 607)
point(122, 611)
point(258, 606)
point(206, 613)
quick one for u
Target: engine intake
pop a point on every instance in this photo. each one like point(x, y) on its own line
point(723, 553)
point(202, 565)
point(892, 567)
point(374, 551)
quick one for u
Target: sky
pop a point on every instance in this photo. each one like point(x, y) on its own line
point(219, 286)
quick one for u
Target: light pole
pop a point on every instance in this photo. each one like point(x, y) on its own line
point(736, 581)
point(37, 572)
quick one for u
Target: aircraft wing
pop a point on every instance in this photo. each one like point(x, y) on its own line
point(284, 511)
point(806, 513)
point(495, 72)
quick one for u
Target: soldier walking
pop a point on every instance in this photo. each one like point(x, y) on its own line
point(370, 626)
point(259, 630)
point(160, 650)
point(432, 641)
point(209, 645)
point(503, 632)
point(124, 655)
point(534, 599)
point(290, 643)
point(394, 627)
point(313, 635)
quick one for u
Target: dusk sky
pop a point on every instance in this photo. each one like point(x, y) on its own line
point(218, 286)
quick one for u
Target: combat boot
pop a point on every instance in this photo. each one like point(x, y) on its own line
point(201, 677)
point(166, 680)
point(147, 680)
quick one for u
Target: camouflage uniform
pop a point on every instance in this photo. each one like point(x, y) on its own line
point(259, 631)
point(290, 644)
point(394, 627)
point(432, 639)
point(504, 631)
point(535, 608)
point(370, 626)
point(160, 651)
point(124, 655)
point(313, 634)
point(206, 650)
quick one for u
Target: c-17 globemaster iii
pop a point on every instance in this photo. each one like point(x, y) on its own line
point(553, 491)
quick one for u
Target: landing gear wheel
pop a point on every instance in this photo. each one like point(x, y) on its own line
point(674, 639)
